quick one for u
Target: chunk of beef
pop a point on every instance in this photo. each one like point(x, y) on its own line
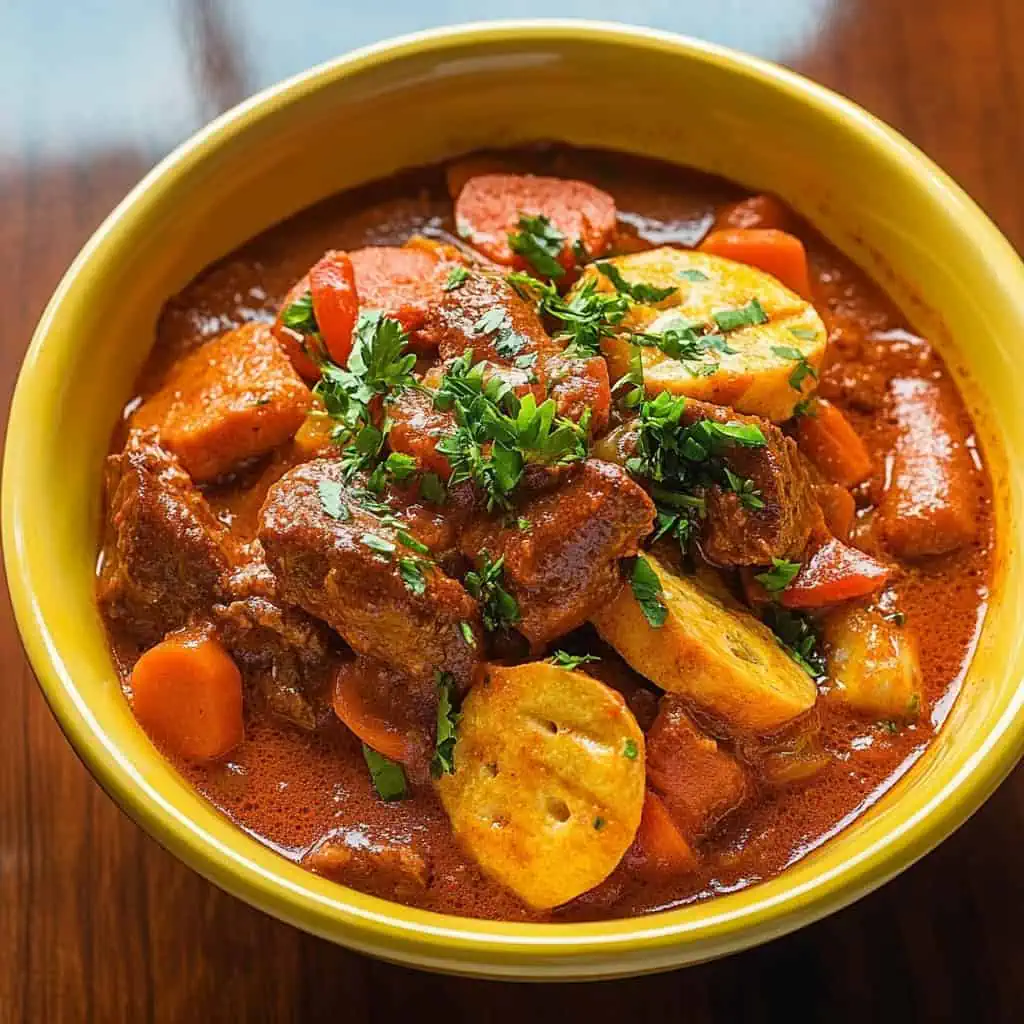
point(165, 554)
point(390, 870)
point(339, 562)
point(566, 564)
point(699, 782)
point(736, 535)
point(234, 398)
point(579, 385)
point(283, 654)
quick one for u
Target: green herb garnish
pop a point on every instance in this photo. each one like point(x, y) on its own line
point(630, 750)
point(803, 368)
point(432, 489)
point(540, 243)
point(443, 761)
point(299, 315)
point(749, 315)
point(562, 659)
point(781, 574)
point(456, 278)
point(797, 637)
point(647, 591)
point(638, 292)
point(378, 544)
point(330, 492)
point(467, 633)
point(388, 776)
point(498, 608)
point(692, 274)
point(411, 571)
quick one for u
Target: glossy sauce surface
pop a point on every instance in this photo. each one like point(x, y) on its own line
point(290, 788)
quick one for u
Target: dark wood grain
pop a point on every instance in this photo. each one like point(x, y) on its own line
point(97, 923)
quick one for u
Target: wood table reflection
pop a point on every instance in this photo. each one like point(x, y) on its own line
point(97, 923)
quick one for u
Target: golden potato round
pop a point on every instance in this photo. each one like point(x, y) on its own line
point(756, 378)
point(714, 653)
point(549, 780)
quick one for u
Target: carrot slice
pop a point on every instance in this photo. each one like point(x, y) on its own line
point(370, 723)
point(402, 282)
point(332, 282)
point(835, 572)
point(835, 448)
point(761, 211)
point(292, 341)
point(187, 694)
point(489, 206)
point(838, 508)
point(658, 838)
point(775, 252)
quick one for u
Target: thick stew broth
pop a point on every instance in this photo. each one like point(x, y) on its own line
point(295, 788)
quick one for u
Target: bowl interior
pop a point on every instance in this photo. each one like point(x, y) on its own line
point(419, 101)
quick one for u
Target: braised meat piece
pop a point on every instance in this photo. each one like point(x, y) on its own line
point(699, 782)
point(565, 562)
point(235, 397)
point(390, 870)
point(165, 554)
point(342, 563)
point(736, 535)
point(283, 655)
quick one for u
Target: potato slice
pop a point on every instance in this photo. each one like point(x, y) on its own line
point(549, 780)
point(755, 378)
point(717, 655)
point(873, 664)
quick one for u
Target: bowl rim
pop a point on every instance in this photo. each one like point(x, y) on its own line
point(387, 928)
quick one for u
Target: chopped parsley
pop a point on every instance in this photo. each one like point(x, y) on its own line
point(443, 761)
point(388, 776)
point(647, 591)
point(540, 243)
point(749, 315)
point(498, 434)
point(378, 544)
point(299, 315)
point(586, 316)
point(491, 321)
point(330, 500)
point(456, 278)
point(692, 274)
point(781, 574)
point(798, 638)
point(432, 489)
point(680, 461)
point(804, 333)
point(689, 342)
point(411, 571)
point(803, 368)
point(562, 659)
point(638, 292)
point(599, 823)
point(467, 633)
point(498, 608)
point(630, 750)
point(409, 541)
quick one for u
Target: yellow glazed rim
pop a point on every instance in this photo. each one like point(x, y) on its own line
point(244, 867)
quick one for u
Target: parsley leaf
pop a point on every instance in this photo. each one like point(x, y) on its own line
point(467, 633)
point(586, 316)
point(562, 659)
point(409, 541)
point(804, 333)
point(749, 315)
point(411, 571)
point(540, 243)
point(797, 637)
point(494, 319)
point(499, 609)
point(803, 368)
point(388, 776)
point(638, 292)
point(781, 574)
point(299, 315)
point(692, 274)
point(432, 489)
point(443, 761)
point(456, 278)
point(630, 750)
point(647, 591)
point(330, 500)
point(378, 544)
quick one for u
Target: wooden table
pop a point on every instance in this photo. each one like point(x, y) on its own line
point(97, 923)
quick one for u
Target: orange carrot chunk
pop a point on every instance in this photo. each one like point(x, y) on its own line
point(294, 342)
point(187, 694)
point(761, 211)
point(775, 252)
point(838, 508)
point(835, 572)
point(490, 209)
point(658, 839)
point(332, 282)
point(835, 448)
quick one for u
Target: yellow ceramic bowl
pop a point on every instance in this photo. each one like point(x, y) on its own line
point(421, 99)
